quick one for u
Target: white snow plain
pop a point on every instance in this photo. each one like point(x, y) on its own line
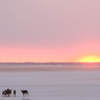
point(52, 85)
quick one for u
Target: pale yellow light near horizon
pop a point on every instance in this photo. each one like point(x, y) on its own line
point(89, 59)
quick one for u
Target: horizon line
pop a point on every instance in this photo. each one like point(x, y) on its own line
point(49, 62)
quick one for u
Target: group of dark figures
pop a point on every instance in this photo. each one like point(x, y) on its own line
point(8, 92)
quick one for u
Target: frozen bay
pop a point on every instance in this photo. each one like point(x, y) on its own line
point(52, 85)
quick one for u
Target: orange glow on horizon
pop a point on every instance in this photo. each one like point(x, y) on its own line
point(89, 59)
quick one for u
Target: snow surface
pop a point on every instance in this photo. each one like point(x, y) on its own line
point(52, 85)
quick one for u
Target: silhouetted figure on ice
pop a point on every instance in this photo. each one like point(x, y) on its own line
point(8, 92)
point(4, 93)
point(25, 92)
point(14, 93)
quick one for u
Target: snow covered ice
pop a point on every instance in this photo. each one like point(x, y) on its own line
point(52, 85)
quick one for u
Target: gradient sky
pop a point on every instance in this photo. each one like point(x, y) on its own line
point(49, 30)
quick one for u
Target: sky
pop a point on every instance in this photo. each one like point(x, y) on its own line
point(49, 30)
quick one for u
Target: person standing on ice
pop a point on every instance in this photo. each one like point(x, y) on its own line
point(14, 93)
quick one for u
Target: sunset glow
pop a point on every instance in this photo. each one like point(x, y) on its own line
point(49, 31)
point(89, 59)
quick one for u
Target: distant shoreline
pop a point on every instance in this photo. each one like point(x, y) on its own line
point(48, 66)
point(49, 63)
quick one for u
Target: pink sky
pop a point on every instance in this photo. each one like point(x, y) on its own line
point(49, 30)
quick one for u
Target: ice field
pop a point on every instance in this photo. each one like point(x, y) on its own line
point(52, 85)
